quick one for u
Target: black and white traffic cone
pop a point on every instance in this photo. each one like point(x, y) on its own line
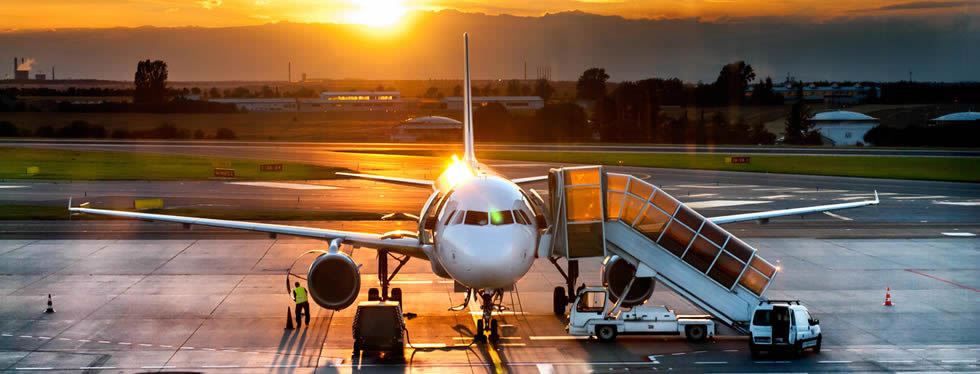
point(289, 319)
point(50, 305)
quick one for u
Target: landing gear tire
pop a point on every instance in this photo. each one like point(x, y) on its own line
point(494, 332)
point(696, 333)
point(396, 295)
point(561, 300)
point(480, 337)
point(816, 348)
point(374, 295)
point(605, 333)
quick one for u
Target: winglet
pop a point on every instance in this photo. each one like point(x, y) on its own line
point(876, 197)
point(69, 202)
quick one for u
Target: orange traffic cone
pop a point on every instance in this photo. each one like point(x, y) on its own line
point(888, 297)
point(50, 305)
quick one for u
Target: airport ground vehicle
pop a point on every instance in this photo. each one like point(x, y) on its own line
point(594, 314)
point(379, 327)
point(783, 325)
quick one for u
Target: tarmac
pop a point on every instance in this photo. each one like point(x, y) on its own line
point(133, 296)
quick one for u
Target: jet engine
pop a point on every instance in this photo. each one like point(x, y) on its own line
point(334, 280)
point(616, 274)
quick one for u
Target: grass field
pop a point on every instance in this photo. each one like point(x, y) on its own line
point(93, 165)
point(960, 169)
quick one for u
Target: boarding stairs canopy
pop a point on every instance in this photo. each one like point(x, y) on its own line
point(598, 214)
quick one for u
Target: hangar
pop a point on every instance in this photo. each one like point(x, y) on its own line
point(842, 127)
point(956, 119)
point(430, 128)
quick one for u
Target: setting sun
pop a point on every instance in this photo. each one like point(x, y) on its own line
point(378, 12)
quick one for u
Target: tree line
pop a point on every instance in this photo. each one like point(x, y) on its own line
point(80, 129)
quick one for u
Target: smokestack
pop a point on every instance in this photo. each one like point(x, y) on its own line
point(289, 79)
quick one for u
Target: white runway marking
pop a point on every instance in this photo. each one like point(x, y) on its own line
point(959, 361)
point(919, 197)
point(960, 234)
point(44, 368)
point(10, 186)
point(723, 203)
point(834, 362)
point(427, 345)
point(559, 337)
point(958, 203)
point(840, 217)
point(896, 361)
point(854, 198)
point(776, 197)
point(290, 186)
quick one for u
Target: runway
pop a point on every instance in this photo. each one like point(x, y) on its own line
point(219, 305)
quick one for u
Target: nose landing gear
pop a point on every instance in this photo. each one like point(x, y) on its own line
point(490, 300)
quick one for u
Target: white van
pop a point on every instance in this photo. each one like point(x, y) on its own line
point(783, 325)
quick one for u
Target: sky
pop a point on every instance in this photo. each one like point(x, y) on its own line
point(49, 14)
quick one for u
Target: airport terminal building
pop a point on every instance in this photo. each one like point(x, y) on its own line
point(509, 102)
point(328, 102)
point(834, 94)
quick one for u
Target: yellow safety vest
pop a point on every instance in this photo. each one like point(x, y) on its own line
point(300, 294)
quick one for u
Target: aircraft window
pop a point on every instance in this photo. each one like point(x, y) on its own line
point(519, 218)
point(459, 218)
point(476, 218)
point(762, 318)
point(501, 217)
point(450, 217)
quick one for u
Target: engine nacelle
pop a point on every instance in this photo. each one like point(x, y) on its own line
point(334, 281)
point(616, 274)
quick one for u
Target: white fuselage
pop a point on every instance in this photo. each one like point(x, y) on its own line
point(486, 235)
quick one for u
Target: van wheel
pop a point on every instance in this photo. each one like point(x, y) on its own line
point(753, 351)
point(561, 300)
point(798, 349)
point(816, 348)
point(605, 333)
point(396, 295)
point(696, 333)
point(374, 295)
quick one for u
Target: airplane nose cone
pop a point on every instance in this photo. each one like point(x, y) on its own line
point(490, 257)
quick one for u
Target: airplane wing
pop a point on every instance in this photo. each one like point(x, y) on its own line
point(528, 179)
point(791, 212)
point(398, 242)
point(396, 180)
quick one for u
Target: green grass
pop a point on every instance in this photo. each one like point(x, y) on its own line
point(45, 212)
point(959, 169)
point(95, 165)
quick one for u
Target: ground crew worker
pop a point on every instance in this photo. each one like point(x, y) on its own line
point(300, 296)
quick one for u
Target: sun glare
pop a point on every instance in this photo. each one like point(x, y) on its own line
point(457, 172)
point(378, 13)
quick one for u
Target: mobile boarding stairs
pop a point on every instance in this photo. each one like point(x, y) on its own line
point(595, 214)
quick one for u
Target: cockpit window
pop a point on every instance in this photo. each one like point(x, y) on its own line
point(476, 218)
point(449, 217)
point(501, 217)
point(459, 217)
point(523, 218)
point(519, 218)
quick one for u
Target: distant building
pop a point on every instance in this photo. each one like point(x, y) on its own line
point(509, 102)
point(957, 119)
point(842, 127)
point(434, 128)
point(356, 101)
point(261, 104)
point(834, 94)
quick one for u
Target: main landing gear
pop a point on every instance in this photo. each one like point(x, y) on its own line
point(564, 295)
point(489, 300)
point(385, 279)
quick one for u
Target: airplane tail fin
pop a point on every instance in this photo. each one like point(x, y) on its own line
point(469, 153)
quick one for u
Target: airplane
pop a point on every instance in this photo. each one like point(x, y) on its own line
point(483, 233)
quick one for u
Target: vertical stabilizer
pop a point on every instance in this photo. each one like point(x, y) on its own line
point(469, 154)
